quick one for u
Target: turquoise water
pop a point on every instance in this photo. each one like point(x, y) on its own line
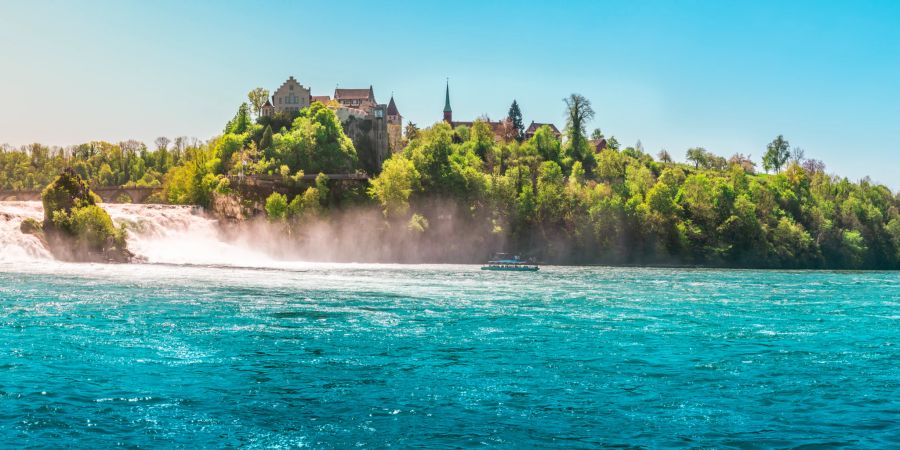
point(375, 356)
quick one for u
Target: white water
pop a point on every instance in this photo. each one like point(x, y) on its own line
point(157, 233)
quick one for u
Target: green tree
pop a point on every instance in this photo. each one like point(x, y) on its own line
point(241, 121)
point(777, 154)
point(697, 155)
point(265, 142)
point(515, 117)
point(411, 131)
point(578, 114)
point(394, 186)
point(258, 98)
point(276, 206)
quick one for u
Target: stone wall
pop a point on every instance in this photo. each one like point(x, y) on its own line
point(370, 138)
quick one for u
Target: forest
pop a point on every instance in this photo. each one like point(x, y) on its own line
point(559, 200)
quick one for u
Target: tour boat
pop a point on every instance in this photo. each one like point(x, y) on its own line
point(513, 264)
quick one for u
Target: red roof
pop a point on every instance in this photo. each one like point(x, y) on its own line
point(321, 99)
point(535, 125)
point(355, 94)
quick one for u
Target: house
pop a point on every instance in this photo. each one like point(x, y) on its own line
point(363, 99)
point(291, 97)
point(599, 144)
point(529, 132)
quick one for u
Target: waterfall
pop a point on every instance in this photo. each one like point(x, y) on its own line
point(156, 233)
point(16, 246)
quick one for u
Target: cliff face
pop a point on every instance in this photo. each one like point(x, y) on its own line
point(75, 228)
point(370, 138)
point(228, 208)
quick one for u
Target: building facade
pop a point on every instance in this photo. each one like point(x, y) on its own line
point(291, 97)
point(363, 99)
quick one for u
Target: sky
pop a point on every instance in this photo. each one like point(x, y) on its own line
point(728, 76)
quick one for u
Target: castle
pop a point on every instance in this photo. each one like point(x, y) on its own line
point(375, 129)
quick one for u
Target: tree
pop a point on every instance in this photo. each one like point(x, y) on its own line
point(162, 143)
point(276, 206)
point(813, 166)
point(546, 144)
point(798, 155)
point(393, 187)
point(265, 141)
point(315, 143)
point(597, 134)
point(664, 156)
point(612, 143)
point(697, 155)
point(411, 131)
point(744, 162)
point(508, 131)
point(777, 154)
point(515, 117)
point(241, 121)
point(578, 113)
point(258, 99)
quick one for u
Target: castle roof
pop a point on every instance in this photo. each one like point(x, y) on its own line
point(323, 99)
point(268, 103)
point(289, 81)
point(392, 108)
point(355, 94)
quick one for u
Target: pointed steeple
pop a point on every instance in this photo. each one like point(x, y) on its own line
point(448, 113)
point(447, 99)
point(392, 107)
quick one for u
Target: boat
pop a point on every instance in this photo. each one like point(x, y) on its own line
point(513, 264)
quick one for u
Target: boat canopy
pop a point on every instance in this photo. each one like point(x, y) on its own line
point(507, 261)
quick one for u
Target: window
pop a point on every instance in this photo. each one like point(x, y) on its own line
point(291, 87)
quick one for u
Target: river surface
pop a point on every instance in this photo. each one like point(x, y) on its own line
point(255, 353)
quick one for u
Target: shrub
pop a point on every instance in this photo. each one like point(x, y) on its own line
point(276, 206)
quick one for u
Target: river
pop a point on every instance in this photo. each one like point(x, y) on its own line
point(213, 344)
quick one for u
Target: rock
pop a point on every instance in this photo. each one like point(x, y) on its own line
point(75, 227)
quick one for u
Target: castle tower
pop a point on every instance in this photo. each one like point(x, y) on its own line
point(448, 113)
point(394, 126)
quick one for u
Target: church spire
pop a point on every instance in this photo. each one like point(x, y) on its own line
point(448, 113)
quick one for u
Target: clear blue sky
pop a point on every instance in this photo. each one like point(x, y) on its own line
point(725, 75)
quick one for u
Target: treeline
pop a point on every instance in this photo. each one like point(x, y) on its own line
point(128, 163)
point(572, 199)
point(568, 202)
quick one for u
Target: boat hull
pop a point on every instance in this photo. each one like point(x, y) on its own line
point(511, 269)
